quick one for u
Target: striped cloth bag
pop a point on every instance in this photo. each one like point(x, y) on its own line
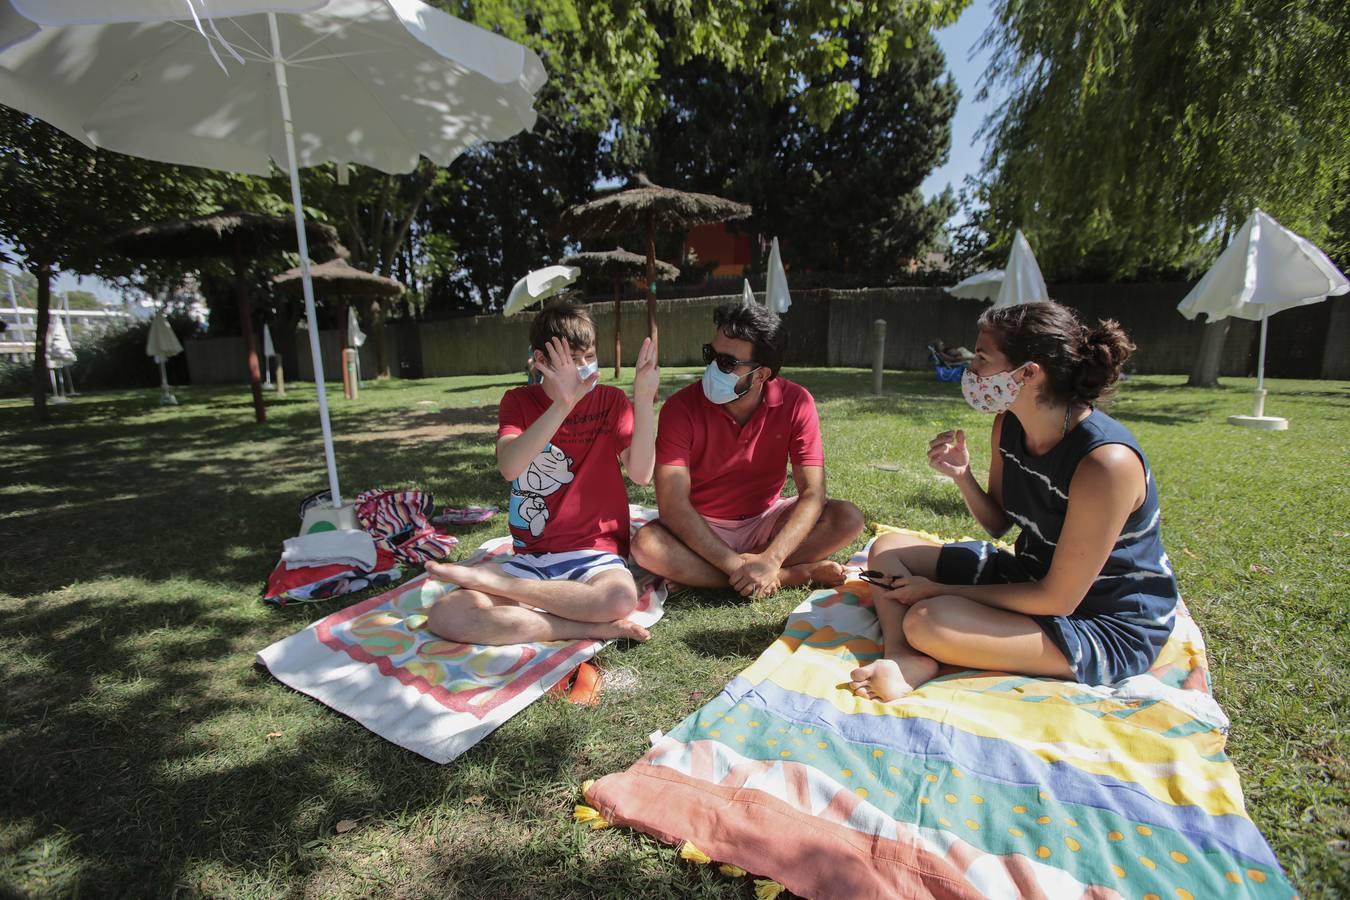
point(400, 522)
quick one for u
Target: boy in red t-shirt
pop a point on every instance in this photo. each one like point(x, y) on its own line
point(560, 444)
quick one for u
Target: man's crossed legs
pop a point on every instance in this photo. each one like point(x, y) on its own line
point(660, 552)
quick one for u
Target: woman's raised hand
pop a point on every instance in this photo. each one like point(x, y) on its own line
point(947, 454)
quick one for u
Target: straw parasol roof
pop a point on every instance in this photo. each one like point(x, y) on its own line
point(339, 277)
point(642, 203)
point(234, 235)
point(643, 206)
point(220, 234)
point(618, 263)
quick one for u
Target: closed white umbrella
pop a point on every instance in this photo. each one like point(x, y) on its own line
point(59, 351)
point(776, 295)
point(161, 343)
point(1265, 269)
point(980, 286)
point(269, 351)
point(747, 295)
point(1022, 280)
point(538, 285)
point(211, 83)
point(355, 336)
point(59, 354)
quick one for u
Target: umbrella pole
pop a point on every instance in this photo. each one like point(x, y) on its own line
point(283, 95)
point(651, 277)
point(1260, 409)
point(618, 311)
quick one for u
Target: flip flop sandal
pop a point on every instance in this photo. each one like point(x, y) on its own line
point(581, 686)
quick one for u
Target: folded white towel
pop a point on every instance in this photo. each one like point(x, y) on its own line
point(343, 545)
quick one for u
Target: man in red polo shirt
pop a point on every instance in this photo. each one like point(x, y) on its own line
point(722, 451)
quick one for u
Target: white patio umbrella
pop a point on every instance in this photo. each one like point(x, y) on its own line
point(161, 343)
point(1266, 269)
point(980, 286)
point(211, 82)
point(538, 285)
point(747, 295)
point(776, 296)
point(1022, 280)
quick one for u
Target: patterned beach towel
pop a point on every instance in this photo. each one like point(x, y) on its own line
point(376, 662)
point(978, 784)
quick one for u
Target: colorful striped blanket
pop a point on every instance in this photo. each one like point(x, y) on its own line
point(978, 784)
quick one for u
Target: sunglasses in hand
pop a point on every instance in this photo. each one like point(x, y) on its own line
point(880, 579)
point(725, 361)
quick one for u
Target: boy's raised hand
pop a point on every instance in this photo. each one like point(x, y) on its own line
point(647, 377)
point(561, 382)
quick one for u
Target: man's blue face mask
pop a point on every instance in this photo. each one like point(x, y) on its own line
point(721, 387)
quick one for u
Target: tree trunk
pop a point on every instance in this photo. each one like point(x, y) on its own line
point(250, 339)
point(618, 309)
point(1205, 371)
point(44, 315)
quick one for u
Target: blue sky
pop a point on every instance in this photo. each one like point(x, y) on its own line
point(957, 41)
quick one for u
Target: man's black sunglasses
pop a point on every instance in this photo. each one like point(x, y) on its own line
point(725, 361)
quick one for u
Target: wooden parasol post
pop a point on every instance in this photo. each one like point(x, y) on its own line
point(250, 342)
point(651, 276)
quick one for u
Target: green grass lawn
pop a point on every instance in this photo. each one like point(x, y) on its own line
point(143, 753)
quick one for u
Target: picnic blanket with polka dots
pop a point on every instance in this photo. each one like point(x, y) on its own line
point(978, 784)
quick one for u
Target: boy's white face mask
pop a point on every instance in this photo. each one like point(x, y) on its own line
point(586, 371)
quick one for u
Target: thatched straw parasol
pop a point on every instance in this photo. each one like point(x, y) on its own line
point(644, 206)
point(235, 235)
point(338, 278)
point(620, 265)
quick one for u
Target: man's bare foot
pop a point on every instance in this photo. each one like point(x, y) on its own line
point(887, 679)
point(624, 629)
point(825, 573)
point(464, 576)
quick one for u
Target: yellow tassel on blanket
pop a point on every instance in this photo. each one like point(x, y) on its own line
point(693, 854)
point(585, 814)
point(765, 889)
point(732, 871)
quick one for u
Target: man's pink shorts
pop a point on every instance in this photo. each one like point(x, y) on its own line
point(751, 535)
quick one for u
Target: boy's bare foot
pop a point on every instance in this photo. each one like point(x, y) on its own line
point(825, 573)
point(464, 576)
point(623, 629)
point(886, 679)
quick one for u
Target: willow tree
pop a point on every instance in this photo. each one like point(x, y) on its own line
point(1139, 133)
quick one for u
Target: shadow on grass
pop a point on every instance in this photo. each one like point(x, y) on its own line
point(124, 739)
point(195, 492)
point(748, 641)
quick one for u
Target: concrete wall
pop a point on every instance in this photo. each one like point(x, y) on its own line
point(834, 328)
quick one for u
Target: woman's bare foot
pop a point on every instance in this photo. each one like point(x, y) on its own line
point(464, 576)
point(888, 679)
point(623, 629)
point(825, 573)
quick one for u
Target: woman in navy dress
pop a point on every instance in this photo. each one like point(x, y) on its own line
point(1089, 594)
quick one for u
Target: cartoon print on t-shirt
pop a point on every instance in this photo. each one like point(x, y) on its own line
point(546, 475)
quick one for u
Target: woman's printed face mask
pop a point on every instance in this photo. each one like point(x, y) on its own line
point(991, 393)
